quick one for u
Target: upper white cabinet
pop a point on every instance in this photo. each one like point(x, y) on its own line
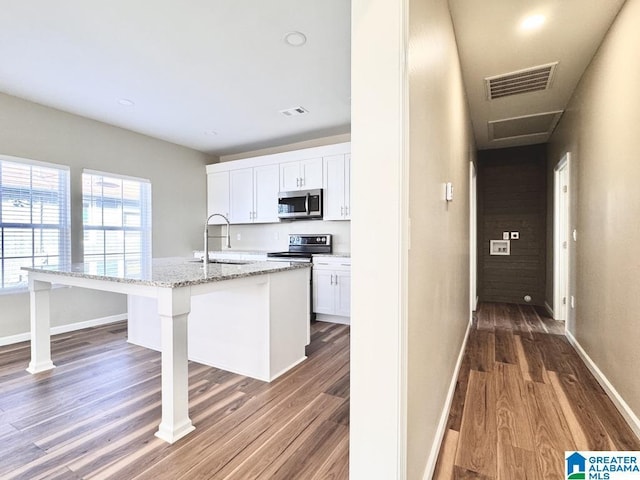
point(246, 190)
point(301, 175)
point(218, 196)
point(337, 187)
point(254, 194)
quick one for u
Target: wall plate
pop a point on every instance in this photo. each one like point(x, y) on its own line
point(500, 247)
point(515, 235)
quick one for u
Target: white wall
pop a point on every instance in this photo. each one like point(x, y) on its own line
point(411, 134)
point(178, 180)
point(601, 130)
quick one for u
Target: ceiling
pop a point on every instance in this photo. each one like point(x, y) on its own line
point(492, 41)
point(212, 75)
point(215, 74)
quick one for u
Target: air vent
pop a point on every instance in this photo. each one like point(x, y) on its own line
point(294, 111)
point(527, 126)
point(522, 81)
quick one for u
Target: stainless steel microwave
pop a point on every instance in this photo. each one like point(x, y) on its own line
point(300, 204)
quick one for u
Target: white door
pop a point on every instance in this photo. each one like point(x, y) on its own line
point(343, 293)
point(561, 235)
point(218, 195)
point(265, 193)
point(334, 186)
point(289, 176)
point(323, 291)
point(311, 173)
point(241, 196)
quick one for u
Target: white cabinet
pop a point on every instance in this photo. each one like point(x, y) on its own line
point(301, 175)
point(254, 194)
point(332, 288)
point(218, 196)
point(337, 187)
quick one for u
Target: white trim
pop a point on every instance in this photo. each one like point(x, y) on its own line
point(37, 163)
point(557, 243)
point(549, 309)
point(70, 327)
point(114, 175)
point(622, 406)
point(444, 416)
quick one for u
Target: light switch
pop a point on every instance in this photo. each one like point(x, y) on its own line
point(515, 235)
point(505, 235)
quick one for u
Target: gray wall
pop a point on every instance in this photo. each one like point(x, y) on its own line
point(600, 129)
point(178, 180)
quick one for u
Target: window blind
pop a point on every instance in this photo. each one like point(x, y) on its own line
point(34, 218)
point(116, 216)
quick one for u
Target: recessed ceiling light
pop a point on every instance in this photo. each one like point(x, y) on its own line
point(295, 39)
point(533, 22)
point(125, 102)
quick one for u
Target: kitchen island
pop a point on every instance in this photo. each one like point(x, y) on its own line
point(275, 295)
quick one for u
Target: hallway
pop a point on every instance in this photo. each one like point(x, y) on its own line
point(522, 398)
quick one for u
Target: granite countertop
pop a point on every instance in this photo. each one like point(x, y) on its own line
point(171, 272)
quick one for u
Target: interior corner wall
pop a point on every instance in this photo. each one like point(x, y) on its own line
point(441, 149)
point(600, 130)
point(178, 183)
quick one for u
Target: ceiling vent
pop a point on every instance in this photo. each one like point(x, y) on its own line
point(541, 124)
point(294, 111)
point(523, 81)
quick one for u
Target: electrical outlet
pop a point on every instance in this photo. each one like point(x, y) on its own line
point(238, 236)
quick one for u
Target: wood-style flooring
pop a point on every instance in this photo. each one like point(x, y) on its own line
point(523, 397)
point(95, 415)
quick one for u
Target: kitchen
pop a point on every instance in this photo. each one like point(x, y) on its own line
point(383, 448)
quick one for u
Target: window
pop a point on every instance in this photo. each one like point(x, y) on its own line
point(34, 218)
point(116, 217)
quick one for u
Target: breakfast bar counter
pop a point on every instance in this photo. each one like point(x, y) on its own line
point(276, 294)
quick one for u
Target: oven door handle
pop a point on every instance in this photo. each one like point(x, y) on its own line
point(306, 203)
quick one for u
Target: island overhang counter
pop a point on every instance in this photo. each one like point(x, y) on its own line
point(276, 295)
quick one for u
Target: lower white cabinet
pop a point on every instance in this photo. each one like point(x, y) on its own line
point(332, 288)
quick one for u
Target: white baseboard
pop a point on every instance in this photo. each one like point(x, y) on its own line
point(444, 416)
point(549, 309)
point(70, 327)
point(321, 317)
point(622, 406)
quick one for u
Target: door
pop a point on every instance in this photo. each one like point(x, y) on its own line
point(290, 176)
point(311, 173)
point(218, 196)
point(334, 186)
point(241, 196)
point(265, 193)
point(561, 232)
point(323, 291)
point(343, 292)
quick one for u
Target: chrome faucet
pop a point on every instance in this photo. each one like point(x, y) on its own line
point(205, 259)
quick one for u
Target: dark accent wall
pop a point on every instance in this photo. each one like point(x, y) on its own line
point(512, 198)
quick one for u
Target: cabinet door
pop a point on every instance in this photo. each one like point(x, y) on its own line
point(323, 291)
point(241, 196)
point(347, 186)
point(334, 185)
point(289, 176)
point(343, 293)
point(265, 193)
point(311, 173)
point(218, 196)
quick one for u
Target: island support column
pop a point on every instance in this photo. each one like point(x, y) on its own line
point(39, 295)
point(174, 306)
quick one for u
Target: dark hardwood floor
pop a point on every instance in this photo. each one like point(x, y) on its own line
point(95, 415)
point(523, 397)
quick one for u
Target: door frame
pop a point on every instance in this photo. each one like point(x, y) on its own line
point(473, 239)
point(561, 233)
